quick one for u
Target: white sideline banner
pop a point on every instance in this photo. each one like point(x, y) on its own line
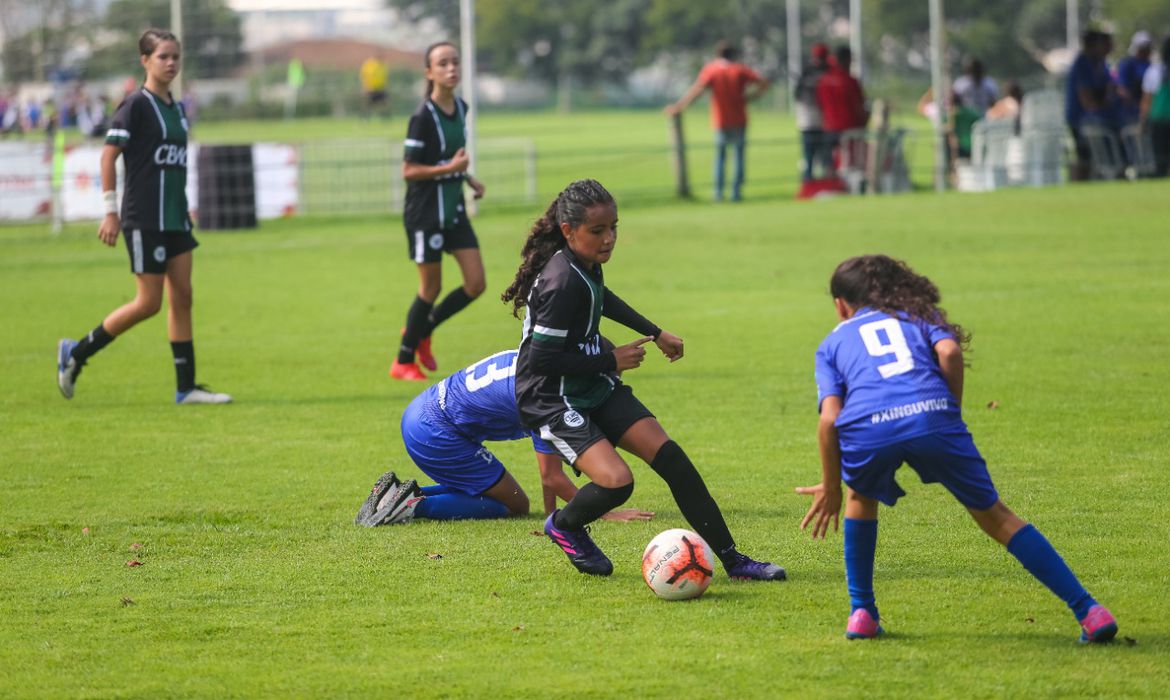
point(81, 189)
point(26, 181)
point(278, 174)
point(26, 171)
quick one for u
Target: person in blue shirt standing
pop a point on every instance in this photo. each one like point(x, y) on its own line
point(444, 429)
point(1090, 94)
point(1130, 71)
point(890, 384)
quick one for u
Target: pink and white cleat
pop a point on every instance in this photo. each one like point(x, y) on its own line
point(862, 625)
point(1099, 626)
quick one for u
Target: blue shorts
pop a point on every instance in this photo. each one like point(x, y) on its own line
point(950, 459)
point(443, 454)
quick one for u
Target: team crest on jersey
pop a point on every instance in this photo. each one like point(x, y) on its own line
point(160, 254)
point(435, 241)
point(574, 419)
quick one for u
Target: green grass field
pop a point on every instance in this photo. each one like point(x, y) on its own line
point(255, 583)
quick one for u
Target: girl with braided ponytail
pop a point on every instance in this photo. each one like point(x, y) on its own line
point(568, 388)
point(890, 381)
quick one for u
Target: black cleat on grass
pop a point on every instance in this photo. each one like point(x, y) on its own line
point(579, 547)
point(381, 486)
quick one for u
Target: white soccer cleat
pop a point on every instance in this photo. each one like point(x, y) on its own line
point(200, 394)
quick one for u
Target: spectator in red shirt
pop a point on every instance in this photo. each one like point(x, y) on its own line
point(841, 99)
point(729, 82)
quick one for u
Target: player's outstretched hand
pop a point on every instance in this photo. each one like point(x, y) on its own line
point(630, 355)
point(826, 508)
point(628, 514)
point(108, 229)
point(671, 345)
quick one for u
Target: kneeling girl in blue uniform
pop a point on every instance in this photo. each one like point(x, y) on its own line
point(444, 429)
point(890, 383)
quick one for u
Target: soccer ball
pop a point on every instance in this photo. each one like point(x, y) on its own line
point(677, 565)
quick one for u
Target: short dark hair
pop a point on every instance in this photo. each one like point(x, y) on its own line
point(843, 54)
point(725, 49)
point(1095, 36)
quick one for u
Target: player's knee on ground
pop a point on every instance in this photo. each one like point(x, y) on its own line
point(518, 505)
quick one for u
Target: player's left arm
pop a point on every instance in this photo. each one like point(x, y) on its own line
point(476, 186)
point(688, 97)
point(757, 86)
point(950, 361)
point(614, 308)
point(827, 498)
point(554, 484)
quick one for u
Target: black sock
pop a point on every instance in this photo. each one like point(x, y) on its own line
point(590, 503)
point(88, 346)
point(184, 352)
point(451, 304)
point(693, 498)
point(416, 324)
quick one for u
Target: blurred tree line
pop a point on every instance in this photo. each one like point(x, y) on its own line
point(604, 40)
point(48, 36)
point(589, 41)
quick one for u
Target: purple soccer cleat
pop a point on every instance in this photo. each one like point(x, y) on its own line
point(747, 569)
point(578, 546)
point(1099, 626)
point(862, 625)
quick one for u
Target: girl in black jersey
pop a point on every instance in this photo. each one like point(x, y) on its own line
point(568, 389)
point(435, 168)
point(149, 131)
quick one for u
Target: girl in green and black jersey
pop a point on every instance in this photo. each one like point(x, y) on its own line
point(568, 389)
point(435, 166)
point(149, 132)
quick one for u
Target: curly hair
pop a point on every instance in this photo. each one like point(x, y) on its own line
point(545, 239)
point(881, 282)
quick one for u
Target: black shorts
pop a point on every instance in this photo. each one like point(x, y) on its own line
point(571, 432)
point(425, 246)
point(150, 250)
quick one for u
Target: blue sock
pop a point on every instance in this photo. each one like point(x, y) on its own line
point(860, 545)
point(459, 506)
point(1042, 561)
point(436, 490)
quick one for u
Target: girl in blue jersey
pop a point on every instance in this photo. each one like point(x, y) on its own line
point(149, 133)
point(435, 165)
point(444, 430)
point(890, 383)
